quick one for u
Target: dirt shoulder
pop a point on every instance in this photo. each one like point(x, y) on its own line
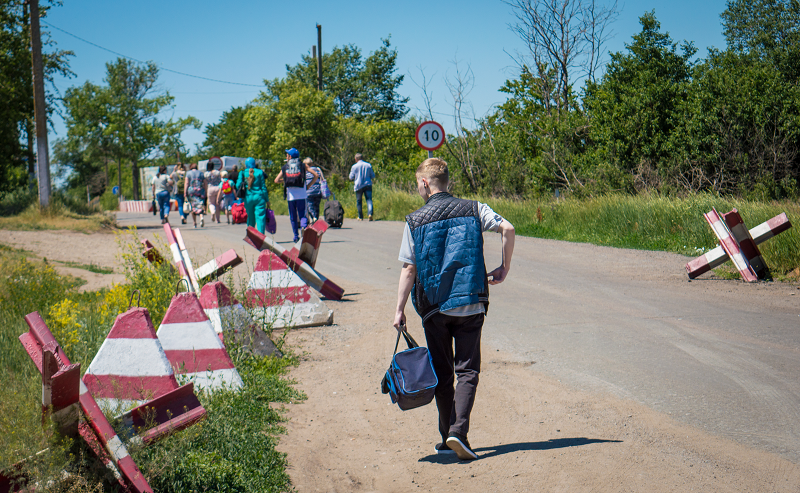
point(531, 432)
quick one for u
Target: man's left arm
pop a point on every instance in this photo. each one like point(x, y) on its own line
point(506, 230)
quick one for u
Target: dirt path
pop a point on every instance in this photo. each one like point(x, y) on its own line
point(532, 433)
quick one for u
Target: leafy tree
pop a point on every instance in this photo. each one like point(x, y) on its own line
point(361, 88)
point(229, 136)
point(769, 29)
point(119, 121)
point(16, 91)
point(291, 114)
point(744, 126)
point(637, 109)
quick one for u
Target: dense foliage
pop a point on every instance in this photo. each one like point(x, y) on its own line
point(17, 131)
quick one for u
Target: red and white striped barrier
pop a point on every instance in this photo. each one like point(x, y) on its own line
point(219, 265)
point(171, 412)
point(307, 248)
point(131, 367)
point(280, 298)
point(34, 342)
point(136, 206)
point(151, 253)
point(193, 347)
point(60, 390)
point(177, 256)
point(313, 278)
point(761, 233)
point(187, 261)
point(228, 316)
point(730, 245)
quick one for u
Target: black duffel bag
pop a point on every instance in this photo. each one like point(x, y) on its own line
point(410, 380)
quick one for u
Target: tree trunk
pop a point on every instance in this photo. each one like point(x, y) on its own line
point(31, 153)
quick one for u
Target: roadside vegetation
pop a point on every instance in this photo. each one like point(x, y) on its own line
point(644, 221)
point(20, 210)
point(233, 449)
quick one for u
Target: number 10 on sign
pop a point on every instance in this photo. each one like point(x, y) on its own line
point(430, 136)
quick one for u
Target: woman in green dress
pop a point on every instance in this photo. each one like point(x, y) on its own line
point(256, 199)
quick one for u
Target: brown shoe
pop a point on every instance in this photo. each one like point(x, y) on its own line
point(370, 217)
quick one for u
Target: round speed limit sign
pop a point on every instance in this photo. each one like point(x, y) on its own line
point(430, 136)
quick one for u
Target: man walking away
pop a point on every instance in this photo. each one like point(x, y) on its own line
point(361, 173)
point(442, 255)
point(293, 175)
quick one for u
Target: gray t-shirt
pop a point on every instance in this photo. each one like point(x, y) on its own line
point(490, 221)
point(162, 183)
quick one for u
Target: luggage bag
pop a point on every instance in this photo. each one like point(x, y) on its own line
point(410, 380)
point(334, 213)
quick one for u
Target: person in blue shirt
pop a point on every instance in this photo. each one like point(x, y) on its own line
point(256, 199)
point(442, 255)
point(362, 175)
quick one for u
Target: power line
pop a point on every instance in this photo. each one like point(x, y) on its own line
point(139, 61)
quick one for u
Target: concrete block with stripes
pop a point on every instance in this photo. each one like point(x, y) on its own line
point(326, 287)
point(277, 296)
point(130, 367)
point(307, 247)
point(736, 236)
point(193, 347)
point(231, 319)
point(36, 342)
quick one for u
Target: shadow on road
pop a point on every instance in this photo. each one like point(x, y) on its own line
point(510, 448)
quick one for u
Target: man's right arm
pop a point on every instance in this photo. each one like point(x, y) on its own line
point(407, 276)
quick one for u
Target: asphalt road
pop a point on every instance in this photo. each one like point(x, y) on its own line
point(719, 355)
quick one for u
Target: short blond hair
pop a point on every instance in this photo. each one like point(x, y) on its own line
point(435, 170)
point(308, 161)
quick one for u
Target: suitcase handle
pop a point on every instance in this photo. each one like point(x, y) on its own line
point(409, 340)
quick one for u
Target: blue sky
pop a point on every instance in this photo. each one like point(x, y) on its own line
point(248, 42)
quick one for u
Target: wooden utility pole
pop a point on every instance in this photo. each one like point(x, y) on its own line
point(39, 108)
point(319, 57)
point(30, 129)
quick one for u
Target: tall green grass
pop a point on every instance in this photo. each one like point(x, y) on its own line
point(232, 450)
point(645, 221)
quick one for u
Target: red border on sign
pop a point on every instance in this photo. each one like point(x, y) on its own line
point(441, 129)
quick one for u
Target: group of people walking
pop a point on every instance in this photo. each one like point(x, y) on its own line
point(210, 192)
point(215, 191)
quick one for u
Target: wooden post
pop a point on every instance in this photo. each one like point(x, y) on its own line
point(319, 57)
point(39, 108)
point(30, 129)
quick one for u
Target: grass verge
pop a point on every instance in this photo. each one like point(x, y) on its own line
point(19, 212)
point(232, 450)
point(644, 222)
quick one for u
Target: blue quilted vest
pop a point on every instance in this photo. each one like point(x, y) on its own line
point(448, 245)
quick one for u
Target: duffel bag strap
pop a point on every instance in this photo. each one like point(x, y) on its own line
point(409, 340)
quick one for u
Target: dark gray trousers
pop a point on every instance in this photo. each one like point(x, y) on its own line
point(455, 404)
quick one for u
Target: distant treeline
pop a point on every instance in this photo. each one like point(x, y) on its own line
point(652, 117)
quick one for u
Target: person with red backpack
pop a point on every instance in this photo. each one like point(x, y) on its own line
point(228, 194)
